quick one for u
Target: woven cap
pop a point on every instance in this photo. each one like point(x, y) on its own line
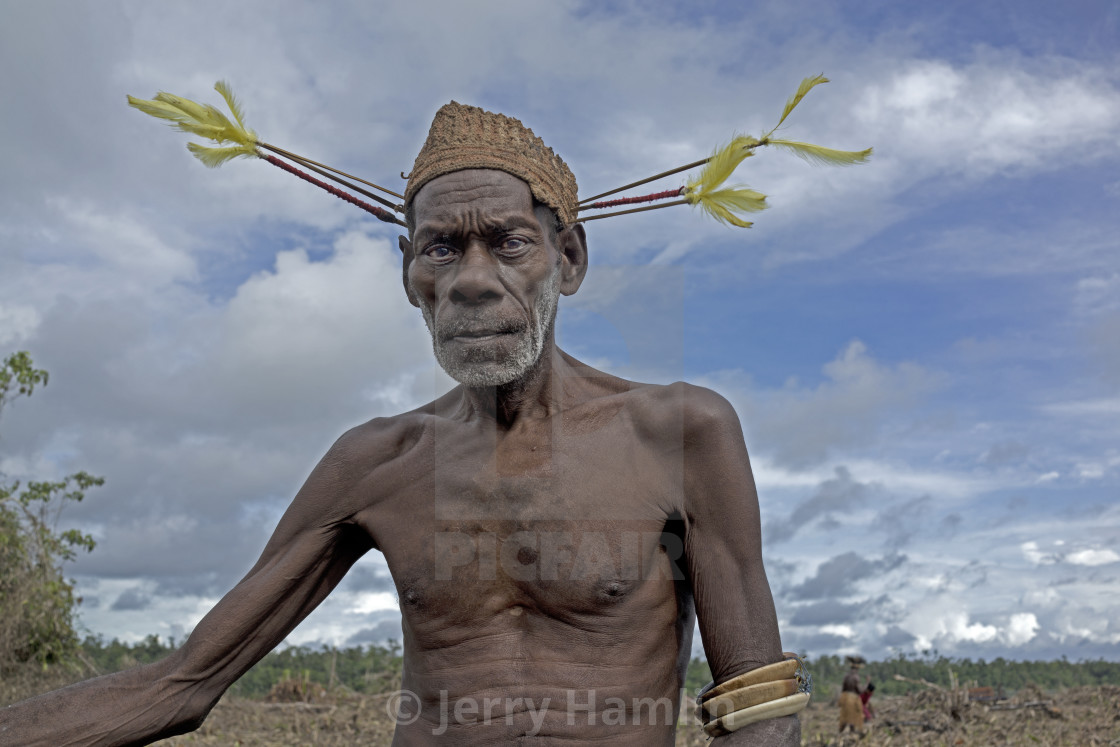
point(466, 137)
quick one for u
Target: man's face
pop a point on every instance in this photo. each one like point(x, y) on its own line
point(486, 274)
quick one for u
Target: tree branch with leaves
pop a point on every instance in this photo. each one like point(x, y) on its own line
point(37, 602)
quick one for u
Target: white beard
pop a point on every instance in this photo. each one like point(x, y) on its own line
point(528, 347)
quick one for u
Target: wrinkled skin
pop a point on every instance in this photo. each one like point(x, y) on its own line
point(551, 537)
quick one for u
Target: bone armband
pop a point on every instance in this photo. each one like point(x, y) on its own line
point(772, 691)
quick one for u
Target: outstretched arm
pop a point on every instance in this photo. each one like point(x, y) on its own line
point(723, 548)
point(310, 551)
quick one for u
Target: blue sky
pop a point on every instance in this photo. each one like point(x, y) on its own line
point(924, 351)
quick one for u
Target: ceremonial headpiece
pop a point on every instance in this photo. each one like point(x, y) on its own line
point(466, 137)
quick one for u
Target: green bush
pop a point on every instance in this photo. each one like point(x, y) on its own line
point(37, 601)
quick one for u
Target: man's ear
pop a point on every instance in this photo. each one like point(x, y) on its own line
point(573, 248)
point(406, 261)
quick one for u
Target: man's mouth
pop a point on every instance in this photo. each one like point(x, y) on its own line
point(481, 335)
point(479, 331)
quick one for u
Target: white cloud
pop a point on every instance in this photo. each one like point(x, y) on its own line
point(1021, 628)
point(993, 114)
point(367, 602)
point(125, 245)
point(954, 627)
point(799, 427)
point(1032, 553)
point(320, 328)
point(1092, 557)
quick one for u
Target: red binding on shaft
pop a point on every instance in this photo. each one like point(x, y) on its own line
point(373, 210)
point(634, 200)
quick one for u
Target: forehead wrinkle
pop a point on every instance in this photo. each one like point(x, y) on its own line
point(474, 184)
point(477, 218)
point(481, 201)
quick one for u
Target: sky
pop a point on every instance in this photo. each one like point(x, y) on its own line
point(924, 351)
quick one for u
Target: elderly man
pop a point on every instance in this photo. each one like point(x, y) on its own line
point(552, 530)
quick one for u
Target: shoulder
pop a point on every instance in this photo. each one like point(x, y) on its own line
point(706, 411)
point(360, 469)
point(377, 441)
point(678, 414)
point(370, 449)
point(696, 413)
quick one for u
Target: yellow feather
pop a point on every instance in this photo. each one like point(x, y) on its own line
point(215, 157)
point(722, 204)
point(155, 108)
point(806, 85)
point(722, 164)
point(231, 101)
point(205, 121)
point(822, 156)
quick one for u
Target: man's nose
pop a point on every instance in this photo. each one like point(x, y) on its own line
point(476, 277)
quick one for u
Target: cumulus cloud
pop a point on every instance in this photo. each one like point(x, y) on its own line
point(988, 116)
point(839, 576)
point(1093, 556)
point(1021, 628)
point(1032, 553)
point(380, 634)
point(341, 324)
point(800, 426)
point(826, 612)
point(131, 600)
point(955, 626)
point(897, 638)
point(230, 405)
point(902, 520)
point(1085, 556)
point(368, 577)
point(834, 496)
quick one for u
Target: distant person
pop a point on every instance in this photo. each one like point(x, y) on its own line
point(851, 704)
point(865, 699)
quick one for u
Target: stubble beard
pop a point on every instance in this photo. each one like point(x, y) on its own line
point(527, 350)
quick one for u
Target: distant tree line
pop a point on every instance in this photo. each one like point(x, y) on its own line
point(828, 672)
point(375, 669)
point(363, 669)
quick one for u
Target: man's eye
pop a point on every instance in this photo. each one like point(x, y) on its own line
point(513, 244)
point(438, 252)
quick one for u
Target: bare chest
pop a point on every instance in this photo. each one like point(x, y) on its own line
point(559, 528)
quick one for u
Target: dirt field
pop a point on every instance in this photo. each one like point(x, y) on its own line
point(1082, 717)
point(1079, 717)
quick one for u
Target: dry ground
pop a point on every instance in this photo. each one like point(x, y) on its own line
point(1081, 717)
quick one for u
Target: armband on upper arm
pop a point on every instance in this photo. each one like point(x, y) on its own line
point(772, 691)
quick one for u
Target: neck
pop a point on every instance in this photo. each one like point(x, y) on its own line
point(536, 395)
